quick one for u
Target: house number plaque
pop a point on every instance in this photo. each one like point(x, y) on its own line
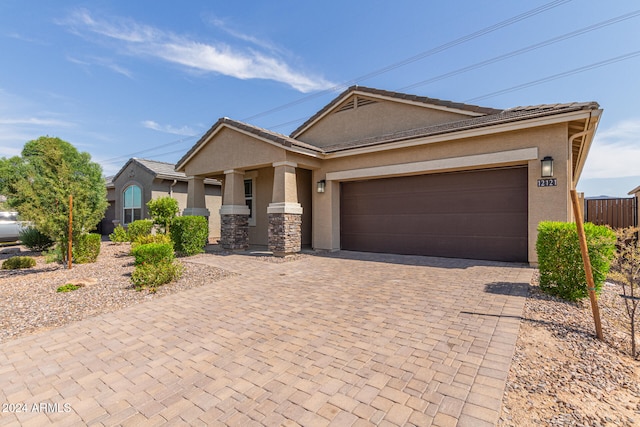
point(548, 182)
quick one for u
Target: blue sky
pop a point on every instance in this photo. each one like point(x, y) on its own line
point(144, 78)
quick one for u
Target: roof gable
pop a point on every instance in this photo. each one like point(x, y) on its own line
point(360, 95)
point(255, 132)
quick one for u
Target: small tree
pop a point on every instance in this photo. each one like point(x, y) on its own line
point(625, 271)
point(163, 210)
point(38, 185)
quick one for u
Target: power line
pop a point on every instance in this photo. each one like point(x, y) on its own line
point(118, 159)
point(415, 58)
point(517, 52)
point(396, 65)
point(558, 76)
point(526, 49)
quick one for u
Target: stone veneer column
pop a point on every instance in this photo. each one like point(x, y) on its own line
point(285, 213)
point(234, 213)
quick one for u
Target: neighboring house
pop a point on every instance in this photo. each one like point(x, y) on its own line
point(382, 171)
point(141, 180)
point(636, 194)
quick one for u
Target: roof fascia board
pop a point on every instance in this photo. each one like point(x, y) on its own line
point(483, 131)
point(421, 104)
point(298, 150)
point(592, 127)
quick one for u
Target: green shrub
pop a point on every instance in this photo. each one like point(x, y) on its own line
point(119, 235)
point(68, 288)
point(153, 253)
point(86, 248)
point(141, 227)
point(189, 234)
point(163, 210)
point(17, 262)
point(53, 254)
point(33, 239)
point(152, 238)
point(153, 275)
point(560, 260)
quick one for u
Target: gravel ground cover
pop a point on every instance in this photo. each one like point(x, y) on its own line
point(561, 375)
point(29, 301)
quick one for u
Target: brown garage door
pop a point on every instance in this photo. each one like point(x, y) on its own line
point(475, 214)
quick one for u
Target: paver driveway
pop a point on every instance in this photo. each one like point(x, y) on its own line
point(344, 339)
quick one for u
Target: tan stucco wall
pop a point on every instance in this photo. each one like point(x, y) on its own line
point(230, 149)
point(548, 203)
point(370, 120)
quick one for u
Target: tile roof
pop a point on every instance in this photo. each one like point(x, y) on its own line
point(397, 95)
point(161, 170)
point(503, 116)
point(482, 117)
point(267, 134)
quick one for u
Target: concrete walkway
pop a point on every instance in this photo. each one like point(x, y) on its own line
point(338, 340)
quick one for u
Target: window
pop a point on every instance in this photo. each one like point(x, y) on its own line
point(132, 204)
point(249, 198)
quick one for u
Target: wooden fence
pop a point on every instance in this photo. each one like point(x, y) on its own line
point(616, 213)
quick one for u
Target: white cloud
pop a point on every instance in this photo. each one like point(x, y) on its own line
point(34, 121)
point(216, 57)
point(103, 62)
point(184, 130)
point(615, 152)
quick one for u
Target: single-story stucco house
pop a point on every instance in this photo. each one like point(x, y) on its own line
point(141, 180)
point(383, 171)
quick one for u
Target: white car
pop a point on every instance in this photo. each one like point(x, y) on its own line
point(10, 227)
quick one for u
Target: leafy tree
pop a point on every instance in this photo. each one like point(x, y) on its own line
point(163, 210)
point(38, 184)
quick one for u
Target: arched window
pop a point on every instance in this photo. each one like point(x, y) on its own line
point(132, 204)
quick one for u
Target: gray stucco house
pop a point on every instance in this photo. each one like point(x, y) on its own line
point(141, 180)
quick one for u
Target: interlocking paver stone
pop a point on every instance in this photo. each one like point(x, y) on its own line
point(327, 339)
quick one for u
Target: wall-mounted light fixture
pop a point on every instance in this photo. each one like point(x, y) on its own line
point(321, 185)
point(547, 167)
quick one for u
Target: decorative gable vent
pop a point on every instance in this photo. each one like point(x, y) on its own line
point(354, 103)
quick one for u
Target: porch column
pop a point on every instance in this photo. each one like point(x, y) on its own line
point(234, 213)
point(284, 211)
point(196, 205)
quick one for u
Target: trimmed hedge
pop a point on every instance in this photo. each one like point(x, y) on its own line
point(152, 238)
point(18, 262)
point(153, 275)
point(86, 248)
point(153, 253)
point(189, 234)
point(33, 239)
point(560, 260)
point(155, 265)
point(119, 235)
point(141, 227)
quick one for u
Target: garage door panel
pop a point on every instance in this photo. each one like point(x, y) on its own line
point(476, 214)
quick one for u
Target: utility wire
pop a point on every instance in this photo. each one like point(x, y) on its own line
point(415, 58)
point(559, 75)
point(118, 159)
point(508, 55)
point(536, 11)
point(526, 49)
